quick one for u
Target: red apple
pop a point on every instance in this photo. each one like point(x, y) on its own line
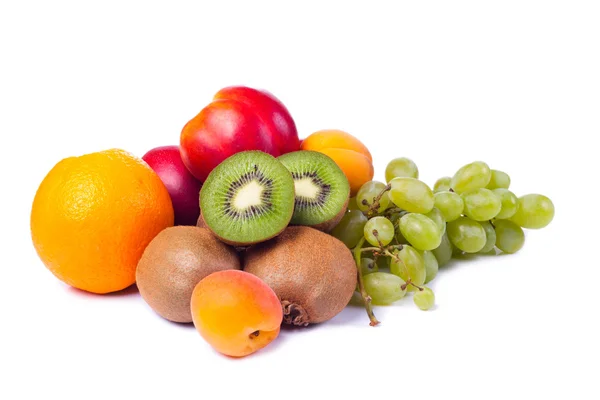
point(183, 188)
point(222, 129)
point(270, 111)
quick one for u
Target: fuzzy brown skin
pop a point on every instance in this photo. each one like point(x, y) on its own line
point(327, 226)
point(312, 273)
point(174, 262)
point(200, 223)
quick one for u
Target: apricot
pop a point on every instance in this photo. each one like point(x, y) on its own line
point(349, 153)
point(236, 312)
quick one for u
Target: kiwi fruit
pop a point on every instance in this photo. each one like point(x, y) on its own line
point(200, 223)
point(312, 273)
point(321, 187)
point(174, 262)
point(248, 198)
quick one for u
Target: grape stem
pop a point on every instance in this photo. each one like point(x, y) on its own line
point(374, 207)
point(361, 286)
point(380, 249)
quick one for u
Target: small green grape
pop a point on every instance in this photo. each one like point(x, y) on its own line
point(401, 167)
point(490, 237)
point(431, 265)
point(510, 238)
point(411, 195)
point(384, 288)
point(475, 175)
point(368, 266)
point(466, 235)
point(383, 262)
point(481, 204)
point(420, 231)
point(350, 229)
point(443, 253)
point(498, 180)
point(442, 184)
point(436, 216)
point(384, 229)
point(509, 202)
point(450, 204)
point(352, 204)
point(424, 299)
point(410, 266)
point(368, 192)
point(535, 211)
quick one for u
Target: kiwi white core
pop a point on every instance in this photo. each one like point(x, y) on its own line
point(305, 187)
point(248, 195)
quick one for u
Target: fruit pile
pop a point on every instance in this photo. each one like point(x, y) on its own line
point(244, 227)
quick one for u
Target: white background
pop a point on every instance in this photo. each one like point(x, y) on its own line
point(513, 83)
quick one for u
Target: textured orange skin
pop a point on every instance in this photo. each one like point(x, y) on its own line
point(348, 152)
point(93, 216)
point(228, 306)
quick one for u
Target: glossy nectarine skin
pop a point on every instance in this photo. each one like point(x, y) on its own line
point(236, 312)
point(271, 112)
point(349, 153)
point(222, 129)
point(183, 188)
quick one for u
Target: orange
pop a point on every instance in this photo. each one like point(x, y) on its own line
point(349, 153)
point(93, 216)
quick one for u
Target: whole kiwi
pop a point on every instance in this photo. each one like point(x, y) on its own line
point(174, 262)
point(312, 273)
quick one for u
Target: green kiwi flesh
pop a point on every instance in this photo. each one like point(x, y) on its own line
point(312, 273)
point(322, 190)
point(174, 262)
point(248, 198)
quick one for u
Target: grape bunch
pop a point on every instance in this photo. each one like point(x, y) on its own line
point(401, 232)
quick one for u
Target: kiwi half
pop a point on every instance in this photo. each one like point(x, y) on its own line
point(312, 273)
point(248, 198)
point(322, 190)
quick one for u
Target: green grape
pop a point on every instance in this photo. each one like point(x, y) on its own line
point(535, 211)
point(471, 177)
point(390, 203)
point(442, 184)
point(443, 253)
point(498, 180)
point(481, 204)
point(436, 216)
point(384, 229)
point(350, 229)
point(411, 195)
point(401, 167)
point(383, 262)
point(368, 266)
point(367, 194)
point(352, 204)
point(456, 252)
point(399, 237)
point(466, 235)
point(450, 204)
point(509, 236)
point(509, 202)
point(490, 237)
point(384, 288)
point(410, 266)
point(431, 265)
point(420, 231)
point(424, 299)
